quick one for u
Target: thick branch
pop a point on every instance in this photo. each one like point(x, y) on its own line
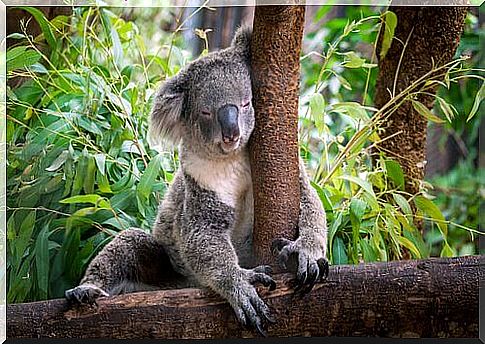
point(421, 298)
point(275, 63)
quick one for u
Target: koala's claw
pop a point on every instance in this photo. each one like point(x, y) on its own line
point(85, 294)
point(250, 309)
point(260, 274)
point(310, 269)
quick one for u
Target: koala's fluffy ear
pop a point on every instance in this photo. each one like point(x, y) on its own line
point(166, 117)
point(242, 41)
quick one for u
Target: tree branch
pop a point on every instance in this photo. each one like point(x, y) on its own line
point(419, 298)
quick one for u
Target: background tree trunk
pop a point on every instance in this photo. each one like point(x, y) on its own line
point(275, 61)
point(433, 34)
point(417, 298)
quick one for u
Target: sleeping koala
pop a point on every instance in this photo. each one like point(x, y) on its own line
point(204, 224)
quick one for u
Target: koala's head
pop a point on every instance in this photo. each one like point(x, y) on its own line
point(207, 105)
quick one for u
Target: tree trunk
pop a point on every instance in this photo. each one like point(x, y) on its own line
point(433, 34)
point(418, 298)
point(275, 63)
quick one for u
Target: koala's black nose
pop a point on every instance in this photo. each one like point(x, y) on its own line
point(228, 119)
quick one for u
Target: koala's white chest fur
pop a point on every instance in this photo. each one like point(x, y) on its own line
point(230, 180)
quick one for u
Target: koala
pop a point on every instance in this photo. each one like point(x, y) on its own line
point(204, 225)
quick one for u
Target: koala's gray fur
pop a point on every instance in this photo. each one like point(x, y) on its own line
point(204, 224)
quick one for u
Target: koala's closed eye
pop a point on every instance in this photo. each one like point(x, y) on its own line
point(206, 114)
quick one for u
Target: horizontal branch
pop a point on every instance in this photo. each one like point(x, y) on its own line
point(420, 298)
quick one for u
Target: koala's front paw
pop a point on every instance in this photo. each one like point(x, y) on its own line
point(311, 263)
point(85, 294)
point(248, 306)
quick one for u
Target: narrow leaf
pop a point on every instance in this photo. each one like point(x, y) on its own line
point(476, 104)
point(425, 112)
point(390, 20)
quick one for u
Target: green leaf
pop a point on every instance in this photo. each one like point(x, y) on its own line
point(433, 212)
point(353, 60)
point(416, 238)
point(360, 182)
point(448, 110)
point(317, 111)
point(327, 204)
point(405, 242)
point(149, 177)
point(368, 252)
point(317, 105)
point(25, 59)
point(339, 253)
point(44, 25)
point(93, 199)
point(334, 227)
point(89, 176)
point(390, 20)
point(42, 261)
point(357, 209)
point(15, 52)
point(394, 171)
point(345, 84)
point(117, 49)
point(16, 35)
point(100, 162)
point(403, 204)
point(447, 251)
point(355, 110)
point(476, 104)
point(58, 162)
point(425, 112)
point(103, 183)
point(25, 233)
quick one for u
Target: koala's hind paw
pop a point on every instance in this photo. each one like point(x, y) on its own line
point(85, 294)
point(250, 310)
point(312, 266)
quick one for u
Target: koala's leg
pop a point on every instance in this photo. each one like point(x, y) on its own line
point(210, 255)
point(309, 250)
point(132, 261)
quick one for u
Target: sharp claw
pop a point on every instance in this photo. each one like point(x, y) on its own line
point(270, 318)
point(278, 244)
point(308, 288)
point(266, 269)
point(272, 285)
point(323, 267)
point(260, 329)
point(301, 278)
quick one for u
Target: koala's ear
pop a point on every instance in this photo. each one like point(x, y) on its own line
point(242, 41)
point(166, 116)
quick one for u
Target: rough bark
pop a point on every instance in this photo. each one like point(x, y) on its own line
point(275, 63)
point(420, 298)
point(434, 34)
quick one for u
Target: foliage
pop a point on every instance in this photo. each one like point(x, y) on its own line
point(459, 193)
point(80, 168)
point(371, 217)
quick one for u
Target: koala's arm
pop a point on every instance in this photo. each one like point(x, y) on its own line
point(310, 248)
point(208, 252)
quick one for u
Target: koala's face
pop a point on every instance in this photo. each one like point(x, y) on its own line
point(208, 105)
point(219, 113)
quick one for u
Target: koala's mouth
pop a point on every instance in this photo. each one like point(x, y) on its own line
point(230, 146)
